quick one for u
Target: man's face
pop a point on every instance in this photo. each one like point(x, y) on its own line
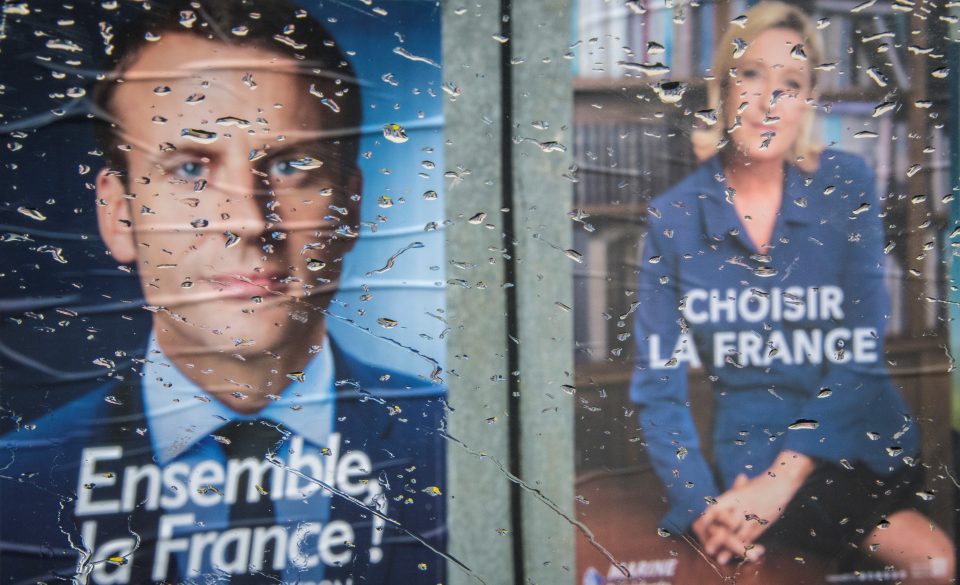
point(225, 211)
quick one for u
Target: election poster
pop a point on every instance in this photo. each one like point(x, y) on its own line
point(763, 204)
point(222, 307)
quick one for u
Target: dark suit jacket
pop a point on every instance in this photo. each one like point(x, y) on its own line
point(391, 417)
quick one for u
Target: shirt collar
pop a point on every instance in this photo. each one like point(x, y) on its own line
point(179, 413)
point(720, 216)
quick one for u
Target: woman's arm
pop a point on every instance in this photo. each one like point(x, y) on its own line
point(660, 387)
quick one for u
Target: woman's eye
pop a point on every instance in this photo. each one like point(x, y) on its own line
point(750, 74)
point(191, 169)
point(282, 168)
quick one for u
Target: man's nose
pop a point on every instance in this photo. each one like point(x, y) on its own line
point(242, 189)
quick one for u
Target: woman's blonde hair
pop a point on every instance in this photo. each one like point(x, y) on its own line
point(763, 16)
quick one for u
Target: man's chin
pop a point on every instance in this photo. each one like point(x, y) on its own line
point(244, 330)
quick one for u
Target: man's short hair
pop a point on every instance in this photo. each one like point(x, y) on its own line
point(276, 26)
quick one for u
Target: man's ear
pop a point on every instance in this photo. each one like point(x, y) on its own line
point(113, 217)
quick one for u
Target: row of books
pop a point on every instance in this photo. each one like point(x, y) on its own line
point(864, 43)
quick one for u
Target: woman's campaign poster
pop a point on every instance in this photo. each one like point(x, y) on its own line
point(222, 303)
point(762, 204)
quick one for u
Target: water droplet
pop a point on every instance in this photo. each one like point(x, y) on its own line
point(195, 98)
point(200, 136)
point(502, 39)
point(64, 45)
point(478, 218)
point(55, 253)
point(32, 213)
point(233, 121)
point(925, 495)
point(395, 133)
point(306, 163)
point(941, 73)
point(862, 208)
point(648, 69)
point(877, 76)
point(655, 48)
point(804, 424)
point(707, 116)
point(430, 195)
point(866, 134)
point(765, 271)
point(552, 146)
point(670, 92)
point(105, 363)
point(187, 18)
point(798, 53)
point(199, 223)
point(387, 323)
point(256, 154)
point(408, 55)
point(232, 239)
point(883, 108)
point(384, 201)
point(315, 265)
point(297, 376)
point(739, 47)
point(240, 31)
point(161, 90)
point(574, 255)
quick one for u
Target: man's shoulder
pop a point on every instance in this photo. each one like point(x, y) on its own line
point(80, 421)
point(354, 374)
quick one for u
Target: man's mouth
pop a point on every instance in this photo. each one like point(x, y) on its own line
point(246, 284)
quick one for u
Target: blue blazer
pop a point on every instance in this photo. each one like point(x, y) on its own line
point(393, 419)
point(792, 340)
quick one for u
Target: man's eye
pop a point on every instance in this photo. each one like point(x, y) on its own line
point(191, 169)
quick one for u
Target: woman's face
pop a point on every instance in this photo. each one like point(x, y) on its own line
point(767, 97)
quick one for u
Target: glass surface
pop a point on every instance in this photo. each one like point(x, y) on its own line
point(764, 206)
point(222, 312)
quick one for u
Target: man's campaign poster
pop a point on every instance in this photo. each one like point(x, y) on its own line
point(222, 311)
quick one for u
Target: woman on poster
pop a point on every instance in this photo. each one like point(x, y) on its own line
point(765, 267)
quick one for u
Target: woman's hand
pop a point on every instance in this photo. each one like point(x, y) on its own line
point(741, 514)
